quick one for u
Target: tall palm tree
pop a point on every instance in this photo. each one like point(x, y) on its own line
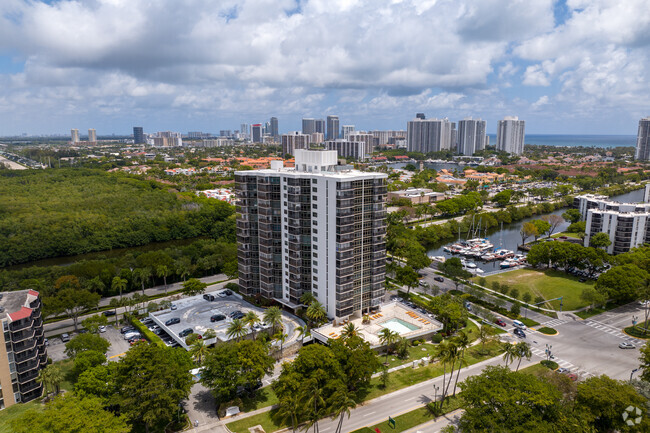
point(236, 329)
point(119, 284)
point(386, 338)
point(273, 315)
point(340, 403)
point(281, 337)
point(447, 354)
point(316, 312)
point(289, 409)
point(509, 353)
point(142, 275)
point(307, 298)
point(523, 351)
point(251, 319)
point(162, 271)
point(303, 332)
point(51, 377)
point(462, 343)
point(115, 304)
point(349, 330)
point(314, 404)
point(198, 350)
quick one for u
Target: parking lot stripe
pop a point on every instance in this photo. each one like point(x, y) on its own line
point(115, 356)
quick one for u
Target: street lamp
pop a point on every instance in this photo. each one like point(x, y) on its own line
point(632, 373)
point(435, 389)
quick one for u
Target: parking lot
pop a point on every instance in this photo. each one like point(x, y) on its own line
point(194, 313)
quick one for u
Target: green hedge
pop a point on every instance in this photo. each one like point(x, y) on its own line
point(528, 322)
point(147, 333)
point(548, 331)
point(550, 364)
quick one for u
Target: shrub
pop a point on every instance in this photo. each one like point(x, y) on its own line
point(515, 309)
point(527, 297)
point(548, 331)
point(514, 293)
point(550, 364)
point(496, 286)
point(437, 338)
point(153, 338)
point(539, 300)
point(232, 286)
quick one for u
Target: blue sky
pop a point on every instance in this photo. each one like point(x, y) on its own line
point(566, 67)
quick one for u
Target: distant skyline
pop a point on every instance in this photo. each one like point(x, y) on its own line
point(565, 67)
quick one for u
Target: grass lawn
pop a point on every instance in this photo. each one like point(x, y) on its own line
point(264, 397)
point(68, 377)
point(535, 369)
point(397, 380)
point(567, 234)
point(548, 284)
point(11, 413)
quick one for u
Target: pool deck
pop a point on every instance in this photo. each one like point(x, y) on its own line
point(426, 324)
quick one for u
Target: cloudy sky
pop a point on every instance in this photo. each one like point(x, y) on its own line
point(574, 66)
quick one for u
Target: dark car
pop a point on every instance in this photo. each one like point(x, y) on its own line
point(217, 318)
point(208, 297)
point(109, 313)
point(439, 279)
point(186, 332)
point(126, 329)
point(519, 333)
point(238, 315)
point(173, 321)
point(500, 322)
point(227, 292)
point(235, 313)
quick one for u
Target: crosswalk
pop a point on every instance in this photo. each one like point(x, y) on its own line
point(609, 329)
point(562, 363)
point(553, 323)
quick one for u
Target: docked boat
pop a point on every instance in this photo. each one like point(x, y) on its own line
point(439, 259)
point(471, 265)
point(508, 263)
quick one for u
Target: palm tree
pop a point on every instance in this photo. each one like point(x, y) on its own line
point(485, 334)
point(115, 304)
point(303, 331)
point(51, 377)
point(273, 315)
point(386, 338)
point(163, 271)
point(523, 351)
point(340, 403)
point(198, 350)
point(509, 353)
point(447, 354)
point(289, 409)
point(314, 403)
point(236, 329)
point(119, 284)
point(307, 298)
point(349, 330)
point(281, 337)
point(142, 275)
point(316, 312)
point(462, 343)
point(251, 319)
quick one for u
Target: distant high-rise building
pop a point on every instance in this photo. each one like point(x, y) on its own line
point(454, 135)
point(138, 135)
point(367, 139)
point(275, 133)
point(387, 137)
point(420, 116)
point(308, 125)
point(74, 136)
point(643, 140)
point(92, 136)
point(332, 127)
point(294, 140)
point(256, 133)
point(428, 135)
point(348, 149)
point(317, 137)
point(510, 135)
point(471, 136)
point(346, 130)
point(313, 229)
point(243, 128)
point(319, 126)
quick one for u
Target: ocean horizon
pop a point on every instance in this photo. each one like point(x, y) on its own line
point(567, 140)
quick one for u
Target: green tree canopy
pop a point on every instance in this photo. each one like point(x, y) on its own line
point(622, 283)
point(193, 286)
point(84, 342)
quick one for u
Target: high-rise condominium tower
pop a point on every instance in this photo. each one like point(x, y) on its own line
point(428, 135)
point(74, 136)
point(471, 136)
point(346, 130)
point(308, 126)
point(294, 140)
point(22, 347)
point(92, 136)
point(138, 135)
point(643, 140)
point(511, 134)
point(317, 228)
point(256, 133)
point(274, 128)
point(332, 127)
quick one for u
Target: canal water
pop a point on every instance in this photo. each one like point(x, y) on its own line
point(509, 238)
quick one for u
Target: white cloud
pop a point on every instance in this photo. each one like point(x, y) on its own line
point(535, 76)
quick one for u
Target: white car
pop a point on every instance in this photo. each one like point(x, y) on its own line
point(102, 329)
point(626, 345)
point(644, 304)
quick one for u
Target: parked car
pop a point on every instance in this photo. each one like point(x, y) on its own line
point(102, 329)
point(222, 294)
point(519, 333)
point(209, 297)
point(235, 313)
point(132, 342)
point(185, 332)
point(227, 292)
point(173, 321)
point(562, 370)
point(626, 345)
point(500, 322)
point(217, 317)
point(108, 313)
point(238, 315)
point(423, 284)
point(126, 329)
point(439, 279)
point(131, 335)
point(65, 337)
point(173, 307)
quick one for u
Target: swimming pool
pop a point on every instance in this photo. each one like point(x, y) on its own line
point(399, 326)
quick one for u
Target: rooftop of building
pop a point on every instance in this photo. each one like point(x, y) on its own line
point(12, 302)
